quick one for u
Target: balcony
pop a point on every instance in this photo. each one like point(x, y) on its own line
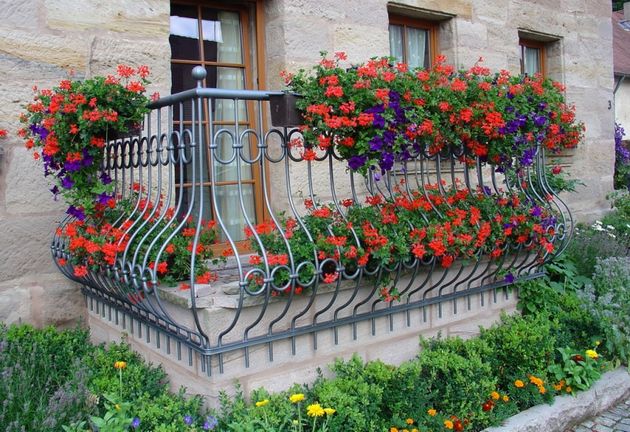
point(293, 249)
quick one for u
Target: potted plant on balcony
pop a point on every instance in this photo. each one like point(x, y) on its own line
point(68, 126)
point(379, 113)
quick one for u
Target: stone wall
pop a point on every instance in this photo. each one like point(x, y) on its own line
point(392, 341)
point(41, 41)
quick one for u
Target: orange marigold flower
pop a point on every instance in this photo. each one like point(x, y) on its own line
point(432, 412)
point(519, 384)
point(448, 424)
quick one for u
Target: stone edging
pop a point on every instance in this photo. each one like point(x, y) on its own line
point(568, 411)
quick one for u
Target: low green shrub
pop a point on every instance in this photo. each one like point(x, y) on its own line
point(357, 392)
point(520, 346)
point(609, 299)
point(43, 382)
point(593, 242)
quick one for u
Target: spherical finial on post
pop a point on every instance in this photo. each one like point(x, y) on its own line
point(198, 74)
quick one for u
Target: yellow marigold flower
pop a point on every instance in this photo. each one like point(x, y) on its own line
point(506, 398)
point(295, 398)
point(330, 411)
point(409, 421)
point(448, 424)
point(495, 395)
point(315, 410)
point(558, 387)
point(393, 429)
point(536, 381)
point(519, 384)
point(262, 403)
point(405, 430)
point(569, 389)
point(592, 354)
point(120, 365)
point(414, 430)
point(542, 389)
point(431, 412)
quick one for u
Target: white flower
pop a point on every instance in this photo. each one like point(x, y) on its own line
point(610, 227)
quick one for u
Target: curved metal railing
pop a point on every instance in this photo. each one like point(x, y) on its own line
point(301, 243)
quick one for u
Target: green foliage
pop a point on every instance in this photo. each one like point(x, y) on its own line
point(609, 298)
point(520, 346)
point(140, 379)
point(116, 418)
point(43, 382)
point(578, 370)
point(356, 392)
point(457, 376)
point(590, 243)
point(619, 217)
point(166, 411)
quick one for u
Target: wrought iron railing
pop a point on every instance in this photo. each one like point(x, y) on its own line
point(207, 155)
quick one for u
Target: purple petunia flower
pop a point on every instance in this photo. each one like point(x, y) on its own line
point(87, 158)
point(67, 182)
point(103, 198)
point(76, 212)
point(536, 211)
point(188, 420)
point(376, 143)
point(509, 278)
point(72, 166)
point(105, 178)
point(40, 131)
point(135, 423)
point(387, 161)
point(55, 191)
point(356, 162)
point(540, 120)
point(528, 156)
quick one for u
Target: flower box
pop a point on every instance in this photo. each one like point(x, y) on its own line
point(284, 111)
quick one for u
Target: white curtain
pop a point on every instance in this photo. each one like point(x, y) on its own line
point(227, 196)
point(396, 42)
point(532, 61)
point(416, 47)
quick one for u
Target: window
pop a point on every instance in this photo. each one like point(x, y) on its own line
point(220, 37)
point(412, 41)
point(532, 57)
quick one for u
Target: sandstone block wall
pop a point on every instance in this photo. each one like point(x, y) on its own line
point(392, 346)
point(41, 41)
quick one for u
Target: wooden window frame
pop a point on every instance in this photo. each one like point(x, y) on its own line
point(542, 46)
point(410, 22)
point(245, 9)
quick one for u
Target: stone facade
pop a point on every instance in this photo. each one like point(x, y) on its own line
point(42, 40)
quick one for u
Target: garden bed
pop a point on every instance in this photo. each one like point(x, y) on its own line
point(568, 411)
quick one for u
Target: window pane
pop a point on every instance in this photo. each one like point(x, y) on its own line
point(396, 42)
point(225, 151)
point(181, 79)
point(532, 60)
point(184, 36)
point(417, 47)
point(227, 78)
point(229, 205)
point(189, 199)
point(222, 36)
